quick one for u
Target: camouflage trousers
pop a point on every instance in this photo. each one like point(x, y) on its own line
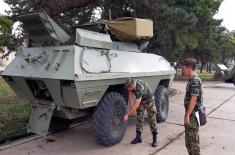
point(151, 111)
point(192, 136)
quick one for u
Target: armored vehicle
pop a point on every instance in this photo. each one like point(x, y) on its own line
point(230, 78)
point(67, 82)
point(225, 73)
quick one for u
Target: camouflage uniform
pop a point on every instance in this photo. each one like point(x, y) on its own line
point(144, 93)
point(191, 132)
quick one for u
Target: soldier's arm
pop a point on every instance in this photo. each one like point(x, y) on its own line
point(192, 105)
point(195, 91)
point(134, 107)
point(130, 99)
point(138, 95)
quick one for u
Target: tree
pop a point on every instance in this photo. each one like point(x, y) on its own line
point(52, 7)
point(55, 7)
point(206, 30)
point(5, 34)
point(182, 28)
point(172, 23)
point(226, 46)
point(66, 13)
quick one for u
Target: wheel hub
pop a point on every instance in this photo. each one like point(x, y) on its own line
point(116, 119)
point(163, 105)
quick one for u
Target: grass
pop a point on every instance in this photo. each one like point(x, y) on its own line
point(14, 114)
point(204, 76)
point(4, 88)
point(14, 117)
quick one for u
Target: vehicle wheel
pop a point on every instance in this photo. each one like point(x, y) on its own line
point(108, 120)
point(162, 103)
point(59, 124)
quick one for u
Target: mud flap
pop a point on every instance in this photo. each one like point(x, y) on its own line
point(40, 118)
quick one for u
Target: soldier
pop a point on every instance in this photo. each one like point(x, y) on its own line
point(144, 100)
point(193, 99)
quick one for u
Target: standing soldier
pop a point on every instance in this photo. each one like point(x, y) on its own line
point(144, 100)
point(192, 101)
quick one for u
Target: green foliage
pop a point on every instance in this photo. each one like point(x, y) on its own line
point(4, 88)
point(182, 28)
point(14, 116)
point(14, 113)
point(8, 41)
point(174, 27)
point(18, 7)
point(225, 46)
point(65, 19)
point(5, 33)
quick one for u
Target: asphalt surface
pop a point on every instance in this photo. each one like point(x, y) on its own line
point(217, 137)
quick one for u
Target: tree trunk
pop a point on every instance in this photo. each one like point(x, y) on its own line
point(223, 57)
point(210, 67)
point(207, 67)
point(201, 67)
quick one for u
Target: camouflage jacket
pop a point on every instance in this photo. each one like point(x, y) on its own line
point(194, 88)
point(142, 91)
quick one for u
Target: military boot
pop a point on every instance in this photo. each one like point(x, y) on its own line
point(137, 138)
point(154, 144)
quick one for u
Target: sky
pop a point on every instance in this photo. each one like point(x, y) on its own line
point(226, 12)
point(3, 6)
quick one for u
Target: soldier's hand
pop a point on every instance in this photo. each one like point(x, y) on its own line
point(186, 120)
point(129, 93)
point(126, 117)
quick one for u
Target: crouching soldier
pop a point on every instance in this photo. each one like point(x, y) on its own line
point(144, 100)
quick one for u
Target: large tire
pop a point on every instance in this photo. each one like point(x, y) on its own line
point(162, 103)
point(108, 120)
point(59, 124)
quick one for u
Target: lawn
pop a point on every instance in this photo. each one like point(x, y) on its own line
point(4, 88)
point(204, 76)
point(14, 114)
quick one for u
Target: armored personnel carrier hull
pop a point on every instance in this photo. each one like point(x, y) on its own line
point(65, 83)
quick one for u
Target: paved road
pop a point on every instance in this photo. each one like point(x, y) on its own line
point(216, 138)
